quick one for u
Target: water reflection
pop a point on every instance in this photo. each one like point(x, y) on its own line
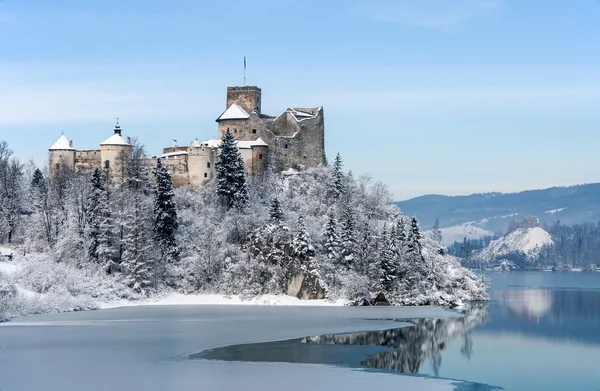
point(410, 347)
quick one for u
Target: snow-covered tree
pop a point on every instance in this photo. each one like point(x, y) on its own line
point(387, 265)
point(11, 193)
point(348, 237)
point(138, 262)
point(337, 188)
point(99, 225)
point(231, 176)
point(436, 233)
point(165, 219)
point(275, 212)
point(332, 242)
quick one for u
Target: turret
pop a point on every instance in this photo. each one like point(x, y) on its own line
point(112, 152)
point(61, 153)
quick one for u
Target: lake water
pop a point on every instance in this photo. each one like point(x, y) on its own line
point(540, 331)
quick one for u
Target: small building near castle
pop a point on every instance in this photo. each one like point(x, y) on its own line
point(293, 139)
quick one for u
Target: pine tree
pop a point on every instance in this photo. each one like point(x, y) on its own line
point(436, 234)
point(301, 247)
point(387, 267)
point(417, 270)
point(137, 262)
point(99, 229)
point(275, 211)
point(332, 244)
point(337, 189)
point(348, 237)
point(231, 177)
point(165, 218)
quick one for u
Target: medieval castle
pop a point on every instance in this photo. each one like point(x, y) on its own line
point(293, 139)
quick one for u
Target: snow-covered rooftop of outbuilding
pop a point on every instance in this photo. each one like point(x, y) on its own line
point(115, 139)
point(234, 111)
point(176, 153)
point(62, 143)
point(242, 144)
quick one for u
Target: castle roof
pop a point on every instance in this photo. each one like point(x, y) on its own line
point(234, 111)
point(62, 144)
point(115, 139)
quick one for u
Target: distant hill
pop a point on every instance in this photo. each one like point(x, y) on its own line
point(493, 212)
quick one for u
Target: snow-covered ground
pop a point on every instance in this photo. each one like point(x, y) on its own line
point(147, 348)
point(216, 299)
point(526, 240)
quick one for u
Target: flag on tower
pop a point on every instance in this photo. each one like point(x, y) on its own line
point(244, 62)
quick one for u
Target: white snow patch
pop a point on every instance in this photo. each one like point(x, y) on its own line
point(216, 299)
point(553, 211)
point(115, 139)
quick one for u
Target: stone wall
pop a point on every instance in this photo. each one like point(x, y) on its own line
point(248, 97)
point(87, 160)
point(61, 157)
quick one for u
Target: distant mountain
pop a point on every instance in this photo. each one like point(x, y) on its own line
point(493, 212)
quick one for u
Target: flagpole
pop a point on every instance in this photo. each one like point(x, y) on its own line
point(244, 71)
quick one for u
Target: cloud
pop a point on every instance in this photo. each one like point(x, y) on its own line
point(442, 15)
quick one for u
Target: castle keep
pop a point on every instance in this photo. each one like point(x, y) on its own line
point(293, 139)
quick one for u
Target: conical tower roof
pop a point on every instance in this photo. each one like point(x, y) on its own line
point(62, 144)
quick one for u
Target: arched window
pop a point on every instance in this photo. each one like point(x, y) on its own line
point(107, 164)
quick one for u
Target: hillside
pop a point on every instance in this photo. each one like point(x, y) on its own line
point(494, 211)
point(528, 241)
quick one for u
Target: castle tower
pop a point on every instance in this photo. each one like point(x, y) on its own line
point(247, 97)
point(112, 152)
point(61, 153)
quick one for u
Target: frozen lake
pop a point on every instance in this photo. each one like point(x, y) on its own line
point(147, 348)
point(540, 331)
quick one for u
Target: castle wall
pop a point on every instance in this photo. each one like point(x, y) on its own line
point(259, 160)
point(87, 160)
point(178, 167)
point(297, 144)
point(201, 164)
point(61, 157)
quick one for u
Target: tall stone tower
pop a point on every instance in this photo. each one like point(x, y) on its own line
point(247, 97)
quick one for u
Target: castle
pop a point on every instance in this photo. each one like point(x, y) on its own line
point(293, 139)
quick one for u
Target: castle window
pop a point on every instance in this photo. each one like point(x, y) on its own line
point(253, 131)
point(285, 146)
point(107, 164)
point(205, 175)
point(235, 130)
point(260, 156)
point(57, 166)
point(208, 165)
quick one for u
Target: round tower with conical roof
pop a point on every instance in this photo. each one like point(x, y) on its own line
point(61, 153)
point(113, 152)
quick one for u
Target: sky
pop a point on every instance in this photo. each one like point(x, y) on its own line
point(429, 96)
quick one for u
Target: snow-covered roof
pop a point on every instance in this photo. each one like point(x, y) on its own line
point(234, 111)
point(115, 139)
point(62, 143)
point(171, 154)
point(259, 142)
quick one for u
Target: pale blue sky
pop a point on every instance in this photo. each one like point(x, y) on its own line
point(430, 96)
